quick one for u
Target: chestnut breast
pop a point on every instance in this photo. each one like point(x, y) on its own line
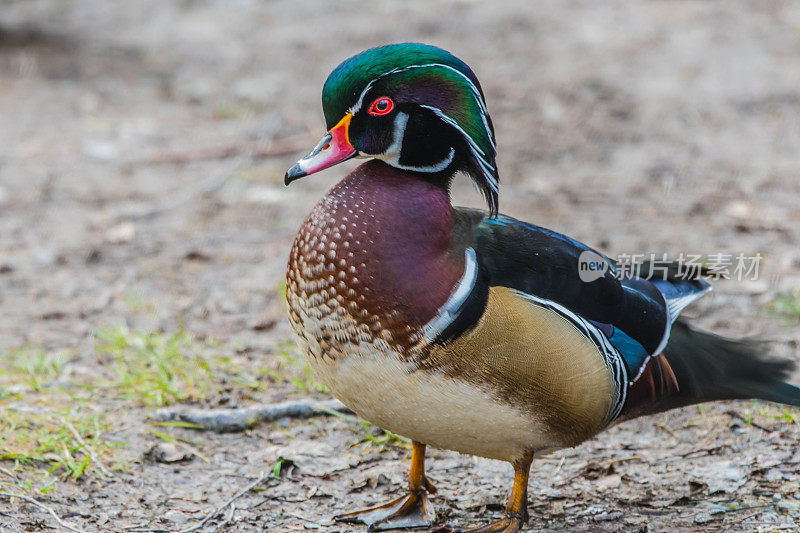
point(372, 263)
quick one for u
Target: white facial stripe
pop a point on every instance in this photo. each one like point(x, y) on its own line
point(438, 167)
point(453, 123)
point(357, 106)
point(475, 91)
point(488, 170)
point(480, 156)
point(392, 153)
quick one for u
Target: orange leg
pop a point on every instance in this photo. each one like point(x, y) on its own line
point(411, 510)
point(517, 506)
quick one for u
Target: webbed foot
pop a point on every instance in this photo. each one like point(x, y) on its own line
point(409, 511)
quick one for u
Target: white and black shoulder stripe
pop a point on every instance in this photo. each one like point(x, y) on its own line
point(463, 308)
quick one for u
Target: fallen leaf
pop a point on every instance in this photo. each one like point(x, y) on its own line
point(720, 476)
point(481, 498)
point(165, 452)
point(608, 482)
point(310, 457)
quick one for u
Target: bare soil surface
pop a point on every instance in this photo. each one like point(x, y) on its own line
point(142, 152)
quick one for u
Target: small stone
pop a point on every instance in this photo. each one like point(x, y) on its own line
point(121, 233)
point(609, 482)
point(197, 255)
point(788, 507)
point(43, 256)
point(704, 518)
point(104, 151)
point(264, 324)
point(175, 516)
point(606, 517)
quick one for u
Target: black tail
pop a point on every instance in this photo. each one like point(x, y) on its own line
point(701, 367)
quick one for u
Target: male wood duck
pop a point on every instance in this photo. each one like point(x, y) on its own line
point(469, 330)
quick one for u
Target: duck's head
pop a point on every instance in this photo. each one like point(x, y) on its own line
point(414, 106)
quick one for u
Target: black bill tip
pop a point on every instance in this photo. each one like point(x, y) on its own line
point(294, 173)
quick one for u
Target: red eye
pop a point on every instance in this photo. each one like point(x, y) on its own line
point(381, 106)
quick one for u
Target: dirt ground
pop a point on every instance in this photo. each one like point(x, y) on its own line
point(142, 152)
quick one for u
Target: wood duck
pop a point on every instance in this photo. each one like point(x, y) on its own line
point(466, 329)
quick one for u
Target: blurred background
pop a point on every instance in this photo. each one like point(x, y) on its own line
point(144, 229)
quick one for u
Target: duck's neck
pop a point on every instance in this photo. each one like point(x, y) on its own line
point(386, 237)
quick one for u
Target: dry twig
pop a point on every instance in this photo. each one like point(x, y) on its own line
point(88, 449)
point(261, 477)
point(304, 519)
point(560, 464)
point(710, 450)
point(44, 507)
point(9, 473)
point(668, 430)
point(232, 420)
point(228, 517)
point(750, 422)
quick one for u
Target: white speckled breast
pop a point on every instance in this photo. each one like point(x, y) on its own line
point(371, 263)
point(327, 299)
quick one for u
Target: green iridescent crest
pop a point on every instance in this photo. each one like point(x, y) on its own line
point(431, 78)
